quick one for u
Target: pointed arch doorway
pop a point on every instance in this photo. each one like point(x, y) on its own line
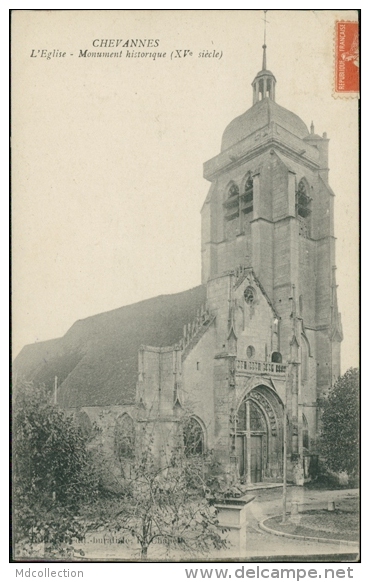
point(259, 436)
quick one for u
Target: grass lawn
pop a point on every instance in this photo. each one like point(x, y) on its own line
point(342, 524)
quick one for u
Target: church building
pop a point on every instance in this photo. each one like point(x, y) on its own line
point(254, 347)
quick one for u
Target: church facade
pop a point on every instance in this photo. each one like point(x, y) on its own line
point(263, 344)
point(269, 341)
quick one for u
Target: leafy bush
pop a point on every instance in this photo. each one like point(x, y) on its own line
point(340, 425)
point(53, 473)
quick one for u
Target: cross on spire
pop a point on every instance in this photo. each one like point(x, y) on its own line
point(264, 82)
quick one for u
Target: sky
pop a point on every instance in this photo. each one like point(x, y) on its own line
point(107, 158)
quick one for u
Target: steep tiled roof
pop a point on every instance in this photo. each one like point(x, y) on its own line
point(96, 360)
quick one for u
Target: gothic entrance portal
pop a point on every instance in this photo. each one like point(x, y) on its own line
point(258, 436)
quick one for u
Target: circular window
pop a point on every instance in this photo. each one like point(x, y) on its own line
point(250, 351)
point(249, 295)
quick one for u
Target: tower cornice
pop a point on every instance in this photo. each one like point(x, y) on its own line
point(234, 157)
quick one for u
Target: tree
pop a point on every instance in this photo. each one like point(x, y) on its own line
point(164, 497)
point(52, 471)
point(159, 506)
point(340, 425)
point(59, 496)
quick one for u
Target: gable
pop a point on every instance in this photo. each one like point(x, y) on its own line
point(255, 320)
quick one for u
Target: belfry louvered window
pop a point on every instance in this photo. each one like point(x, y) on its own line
point(238, 203)
point(231, 204)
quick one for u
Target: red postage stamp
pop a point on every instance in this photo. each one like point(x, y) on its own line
point(347, 57)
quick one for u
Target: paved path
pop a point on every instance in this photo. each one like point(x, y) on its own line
point(267, 503)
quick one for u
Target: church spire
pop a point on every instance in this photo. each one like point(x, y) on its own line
point(264, 46)
point(264, 58)
point(264, 83)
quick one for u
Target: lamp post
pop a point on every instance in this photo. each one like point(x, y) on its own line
point(285, 446)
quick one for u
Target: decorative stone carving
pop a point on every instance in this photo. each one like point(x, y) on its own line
point(266, 405)
point(232, 372)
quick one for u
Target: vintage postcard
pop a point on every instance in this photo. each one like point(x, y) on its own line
point(185, 286)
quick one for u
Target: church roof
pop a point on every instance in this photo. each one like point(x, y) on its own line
point(258, 116)
point(265, 73)
point(96, 361)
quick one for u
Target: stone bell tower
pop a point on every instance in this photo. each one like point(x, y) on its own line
point(270, 209)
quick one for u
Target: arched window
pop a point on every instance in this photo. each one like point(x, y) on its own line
point(124, 438)
point(303, 201)
point(247, 196)
point(237, 207)
point(276, 357)
point(193, 438)
point(260, 90)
